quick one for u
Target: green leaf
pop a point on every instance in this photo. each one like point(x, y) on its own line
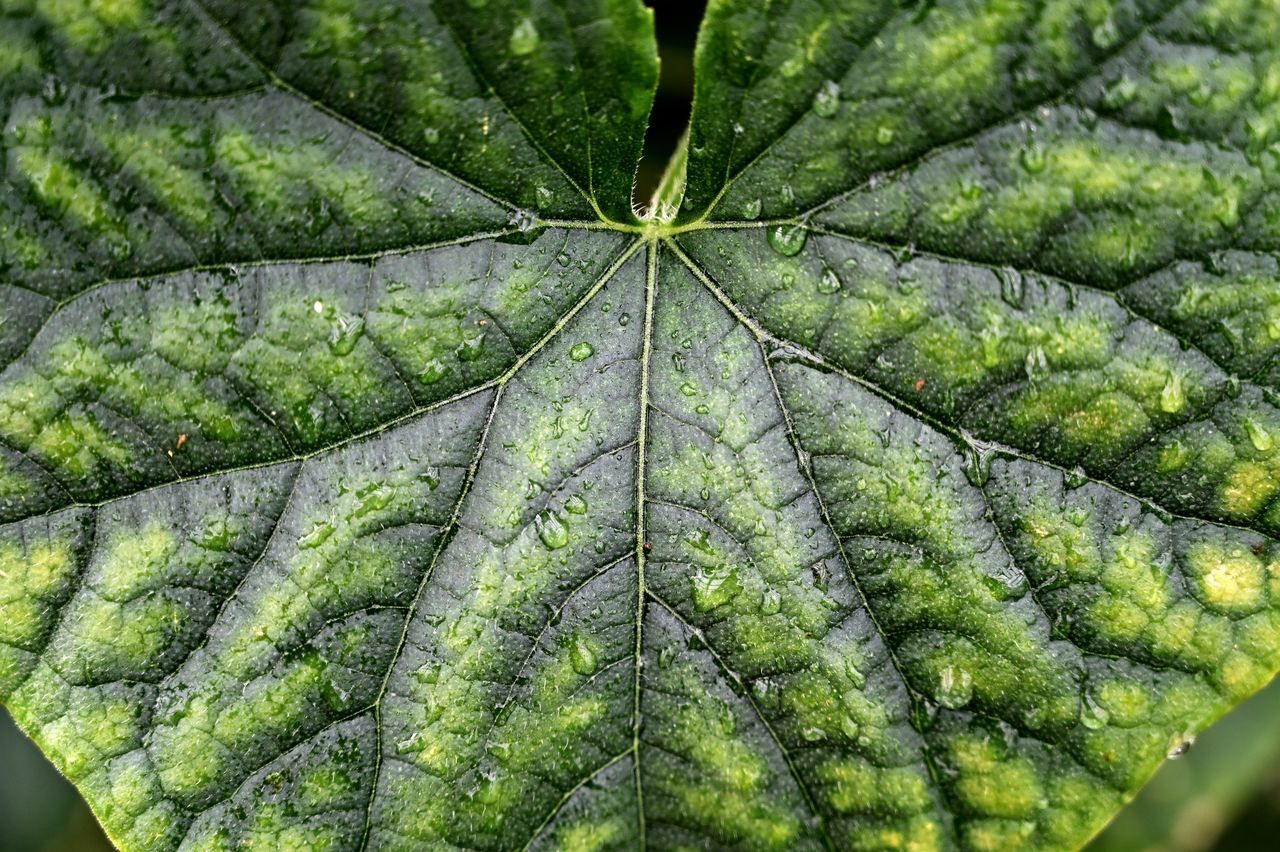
point(372, 476)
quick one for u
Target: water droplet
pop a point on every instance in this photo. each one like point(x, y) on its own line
point(522, 220)
point(433, 372)
point(771, 603)
point(624, 320)
point(1006, 583)
point(1092, 714)
point(431, 135)
point(1033, 158)
point(700, 540)
point(955, 687)
point(582, 657)
point(543, 196)
point(713, 587)
point(1012, 287)
point(1172, 397)
point(218, 536)
point(1074, 478)
point(856, 677)
point(524, 38)
point(1106, 33)
point(788, 240)
point(54, 92)
point(345, 334)
point(829, 282)
point(374, 497)
point(1259, 436)
point(751, 209)
point(1037, 364)
point(827, 99)
point(977, 460)
point(813, 735)
point(884, 135)
point(471, 347)
point(317, 535)
point(1181, 746)
point(551, 530)
point(582, 351)
point(1120, 93)
point(575, 505)
point(689, 389)
point(849, 727)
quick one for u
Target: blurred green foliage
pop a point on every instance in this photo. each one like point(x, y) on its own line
point(1223, 795)
point(39, 810)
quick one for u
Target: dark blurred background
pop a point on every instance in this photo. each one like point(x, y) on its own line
point(1222, 796)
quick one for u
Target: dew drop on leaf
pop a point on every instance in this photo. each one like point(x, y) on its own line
point(1259, 435)
point(1012, 287)
point(433, 372)
point(1006, 583)
point(1105, 34)
point(856, 677)
point(1033, 158)
point(471, 348)
point(575, 505)
point(317, 535)
point(522, 220)
point(551, 530)
point(788, 240)
point(1037, 364)
point(524, 38)
point(1092, 714)
point(700, 540)
point(827, 100)
point(955, 687)
point(713, 587)
point(345, 334)
point(771, 603)
point(829, 282)
point(977, 461)
point(1172, 396)
point(1075, 478)
point(1181, 746)
point(582, 351)
point(582, 657)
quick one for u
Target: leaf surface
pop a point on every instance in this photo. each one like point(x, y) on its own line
point(372, 477)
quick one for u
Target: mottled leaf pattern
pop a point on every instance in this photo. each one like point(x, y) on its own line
point(372, 476)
